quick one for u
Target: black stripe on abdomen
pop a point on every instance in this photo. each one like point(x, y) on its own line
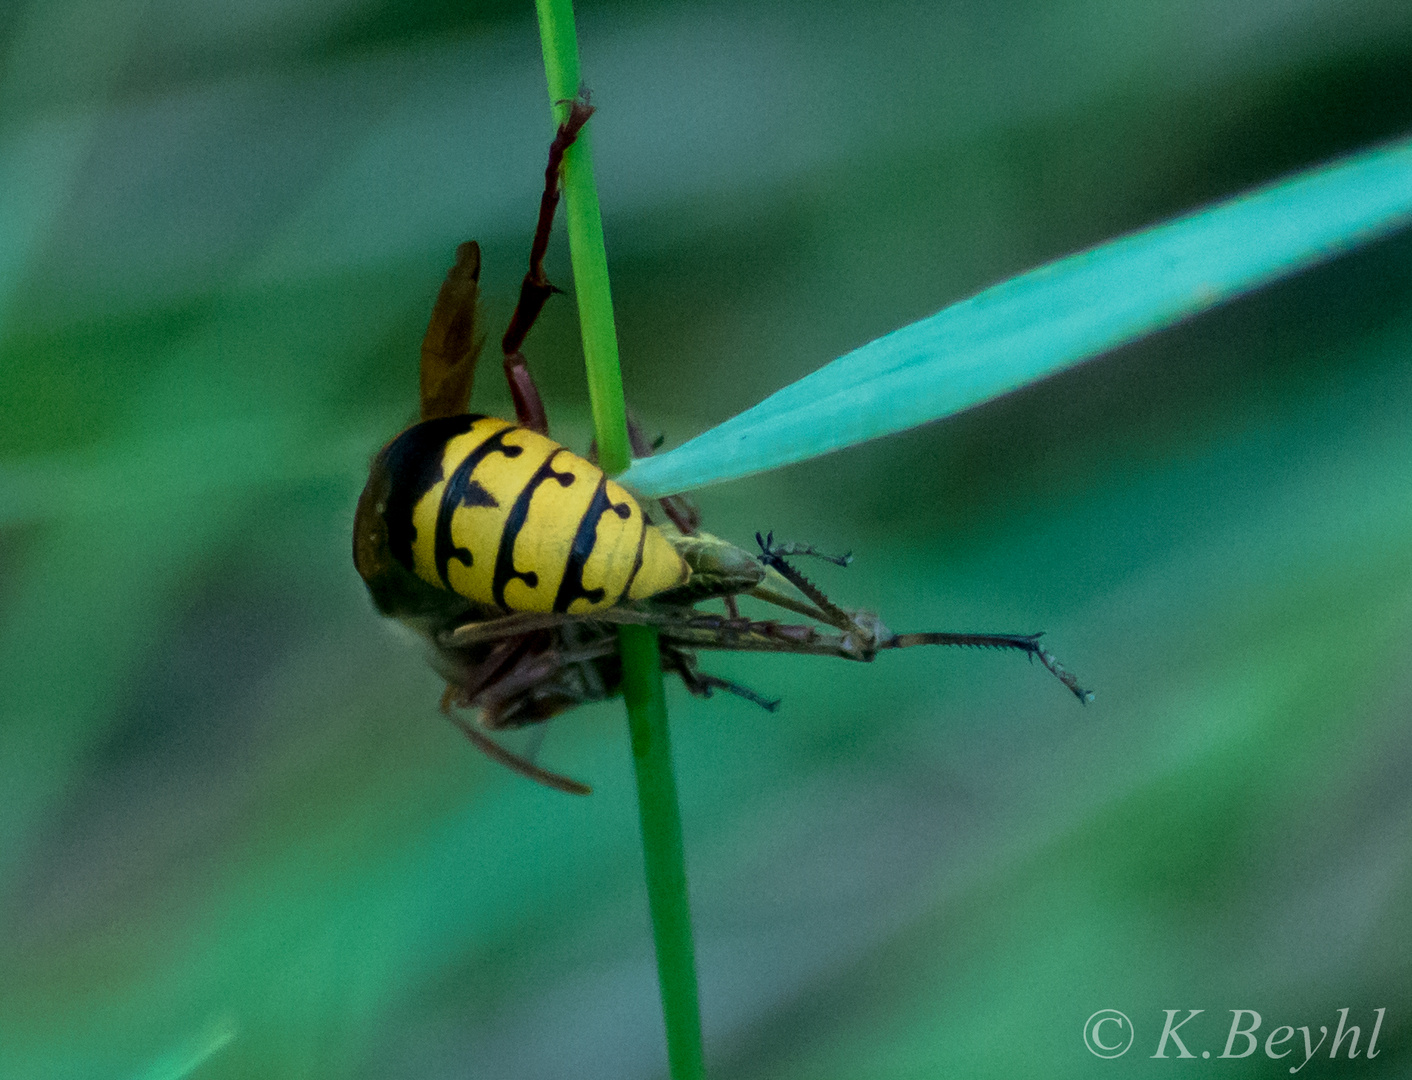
point(571, 587)
point(461, 490)
point(505, 571)
point(413, 462)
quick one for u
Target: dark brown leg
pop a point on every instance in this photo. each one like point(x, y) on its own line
point(536, 289)
point(681, 510)
point(715, 682)
point(507, 655)
point(474, 631)
point(701, 685)
point(497, 753)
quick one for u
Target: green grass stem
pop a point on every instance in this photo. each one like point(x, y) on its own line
point(585, 225)
point(663, 857)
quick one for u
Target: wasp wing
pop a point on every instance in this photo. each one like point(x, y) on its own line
point(450, 347)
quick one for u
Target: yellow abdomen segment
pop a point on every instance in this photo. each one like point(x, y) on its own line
point(517, 522)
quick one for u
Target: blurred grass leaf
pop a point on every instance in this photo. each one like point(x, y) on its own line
point(188, 1056)
point(1049, 318)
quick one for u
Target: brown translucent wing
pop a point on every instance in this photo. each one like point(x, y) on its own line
point(450, 347)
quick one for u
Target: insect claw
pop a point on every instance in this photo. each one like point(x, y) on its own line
point(582, 99)
point(1059, 672)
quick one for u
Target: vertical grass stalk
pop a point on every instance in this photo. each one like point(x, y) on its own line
point(663, 857)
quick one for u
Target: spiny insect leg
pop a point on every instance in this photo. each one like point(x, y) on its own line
point(536, 289)
point(773, 556)
point(789, 603)
point(1028, 643)
point(450, 347)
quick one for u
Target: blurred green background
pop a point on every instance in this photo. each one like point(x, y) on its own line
point(237, 840)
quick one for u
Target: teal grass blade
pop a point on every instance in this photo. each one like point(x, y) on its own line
point(1049, 318)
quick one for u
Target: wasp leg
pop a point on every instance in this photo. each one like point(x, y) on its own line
point(450, 347)
point(536, 289)
point(700, 684)
point(500, 686)
point(540, 682)
point(681, 510)
point(502, 657)
point(497, 753)
point(496, 698)
point(519, 622)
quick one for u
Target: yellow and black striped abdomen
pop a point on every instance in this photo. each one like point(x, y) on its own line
point(512, 520)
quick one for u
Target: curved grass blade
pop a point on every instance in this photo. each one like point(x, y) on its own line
point(1049, 318)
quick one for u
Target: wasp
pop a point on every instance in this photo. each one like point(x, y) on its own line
point(516, 560)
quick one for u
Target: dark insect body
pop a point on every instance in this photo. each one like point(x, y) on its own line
point(516, 560)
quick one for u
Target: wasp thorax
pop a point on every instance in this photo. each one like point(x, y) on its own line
point(512, 520)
